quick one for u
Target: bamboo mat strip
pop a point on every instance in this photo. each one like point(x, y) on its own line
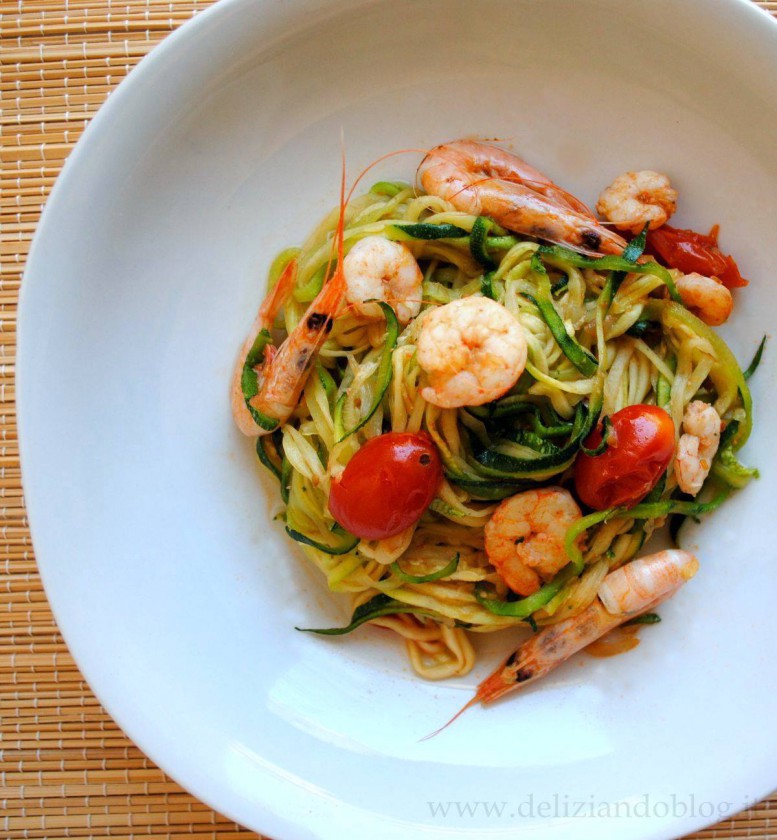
point(66, 770)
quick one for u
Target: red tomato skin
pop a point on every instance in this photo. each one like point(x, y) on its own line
point(640, 446)
point(689, 251)
point(387, 485)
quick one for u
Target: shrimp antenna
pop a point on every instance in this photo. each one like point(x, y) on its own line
point(461, 711)
point(343, 201)
point(380, 160)
point(346, 198)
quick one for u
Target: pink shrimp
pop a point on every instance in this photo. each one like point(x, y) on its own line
point(265, 319)
point(285, 371)
point(631, 590)
point(485, 180)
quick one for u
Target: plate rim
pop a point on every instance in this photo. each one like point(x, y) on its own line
point(139, 76)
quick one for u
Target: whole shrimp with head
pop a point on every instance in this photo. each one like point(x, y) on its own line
point(633, 589)
point(264, 396)
point(472, 350)
point(524, 539)
point(482, 179)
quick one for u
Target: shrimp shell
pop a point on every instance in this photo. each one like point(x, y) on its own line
point(481, 179)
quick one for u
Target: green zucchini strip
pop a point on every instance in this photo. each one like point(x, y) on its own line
point(388, 188)
point(632, 252)
point(309, 292)
point(671, 314)
point(374, 608)
point(327, 381)
point(446, 571)
point(579, 356)
point(645, 510)
point(610, 263)
point(599, 450)
point(286, 473)
point(384, 373)
point(524, 607)
point(487, 285)
point(726, 466)
point(499, 464)
point(477, 242)
point(753, 366)
point(424, 230)
point(266, 458)
point(645, 618)
point(347, 544)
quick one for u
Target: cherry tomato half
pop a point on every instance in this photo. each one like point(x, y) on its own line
point(387, 485)
point(640, 444)
point(689, 251)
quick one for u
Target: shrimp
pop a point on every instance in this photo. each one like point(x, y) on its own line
point(635, 198)
point(524, 538)
point(380, 269)
point(631, 590)
point(472, 350)
point(285, 370)
point(706, 297)
point(697, 446)
point(265, 319)
point(485, 180)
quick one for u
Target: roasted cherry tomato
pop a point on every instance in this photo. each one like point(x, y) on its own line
point(640, 443)
point(689, 251)
point(387, 485)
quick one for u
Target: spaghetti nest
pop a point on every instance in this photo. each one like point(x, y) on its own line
point(602, 334)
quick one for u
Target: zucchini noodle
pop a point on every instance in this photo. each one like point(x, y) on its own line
point(588, 357)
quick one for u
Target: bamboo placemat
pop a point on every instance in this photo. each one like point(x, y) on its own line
point(66, 770)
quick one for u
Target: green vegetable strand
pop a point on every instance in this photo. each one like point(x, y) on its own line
point(579, 356)
point(385, 369)
point(346, 544)
point(478, 242)
point(524, 607)
point(753, 366)
point(381, 604)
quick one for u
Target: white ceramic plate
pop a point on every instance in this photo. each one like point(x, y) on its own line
point(178, 595)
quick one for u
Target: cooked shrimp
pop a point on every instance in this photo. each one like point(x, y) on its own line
point(473, 351)
point(635, 198)
point(706, 297)
point(697, 446)
point(265, 319)
point(485, 180)
point(525, 537)
point(379, 269)
point(631, 590)
point(285, 376)
point(285, 371)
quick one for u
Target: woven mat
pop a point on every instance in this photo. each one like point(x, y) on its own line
point(66, 770)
